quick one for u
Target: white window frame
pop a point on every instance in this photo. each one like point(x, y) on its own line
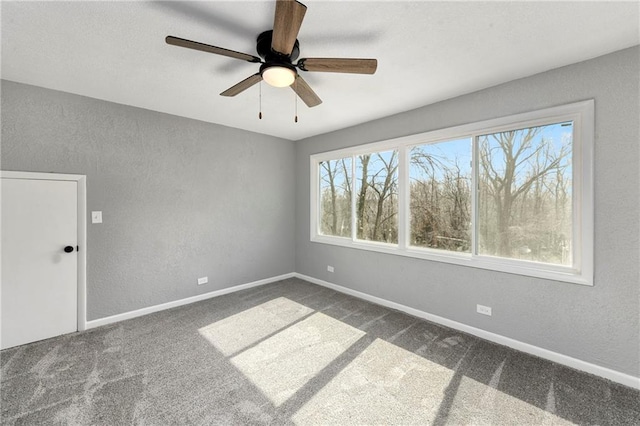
point(580, 272)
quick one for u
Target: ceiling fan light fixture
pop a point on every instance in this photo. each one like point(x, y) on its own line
point(278, 76)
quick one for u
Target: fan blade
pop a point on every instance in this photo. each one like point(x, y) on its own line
point(286, 25)
point(305, 92)
point(355, 66)
point(243, 85)
point(176, 41)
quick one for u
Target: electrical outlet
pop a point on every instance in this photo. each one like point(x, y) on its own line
point(203, 280)
point(484, 310)
point(329, 268)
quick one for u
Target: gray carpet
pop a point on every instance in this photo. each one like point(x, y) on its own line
point(295, 353)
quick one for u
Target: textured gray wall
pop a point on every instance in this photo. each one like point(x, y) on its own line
point(597, 324)
point(181, 199)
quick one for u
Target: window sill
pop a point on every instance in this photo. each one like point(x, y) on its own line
point(518, 267)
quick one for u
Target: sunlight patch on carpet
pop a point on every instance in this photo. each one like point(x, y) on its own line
point(282, 364)
point(385, 384)
point(243, 329)
point(477, 403)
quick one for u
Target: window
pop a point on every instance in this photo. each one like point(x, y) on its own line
point(512, 194)
point(377, 196)
point(335, 197)
point(524, 196)
point(440, 195)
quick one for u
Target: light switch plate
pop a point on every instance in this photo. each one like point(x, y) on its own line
point(96, 217)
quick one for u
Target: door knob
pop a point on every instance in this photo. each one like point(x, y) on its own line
point(68, 249)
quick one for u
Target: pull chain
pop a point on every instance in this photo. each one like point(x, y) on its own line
point(260, 102)
point(296, 101)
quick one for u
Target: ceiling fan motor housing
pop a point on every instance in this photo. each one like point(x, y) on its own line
point(265, 52)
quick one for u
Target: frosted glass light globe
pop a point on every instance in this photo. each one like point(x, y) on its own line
point(279, 76)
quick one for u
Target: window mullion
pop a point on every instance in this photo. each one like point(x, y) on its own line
point(475, 182)
point(315, 191)
point(354, 219)
point(403, 197)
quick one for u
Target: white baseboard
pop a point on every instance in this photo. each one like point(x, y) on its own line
point(186, 301)
point(597, 370)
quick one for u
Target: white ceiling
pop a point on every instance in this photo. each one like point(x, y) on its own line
point(426, 51)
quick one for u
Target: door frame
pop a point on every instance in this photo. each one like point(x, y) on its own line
point(82, 231)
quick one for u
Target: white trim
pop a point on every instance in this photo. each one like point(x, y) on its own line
point(314, 204)
point(581, 272)
point(82, 254)
point(81, 181)
point(533, 118)
point(607, 373)
point(151, 309)
point(404, 198)
point(10, 174)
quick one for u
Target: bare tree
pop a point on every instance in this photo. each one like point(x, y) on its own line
point(362, 195)
point(376, 206)
point(505, 159)
point(335, 196)
point(440, 202)
point(329, 178)
point(384, 192)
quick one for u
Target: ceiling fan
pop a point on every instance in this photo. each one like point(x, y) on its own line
point(278, 48)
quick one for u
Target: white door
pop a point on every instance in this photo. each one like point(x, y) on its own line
point(39, 279)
